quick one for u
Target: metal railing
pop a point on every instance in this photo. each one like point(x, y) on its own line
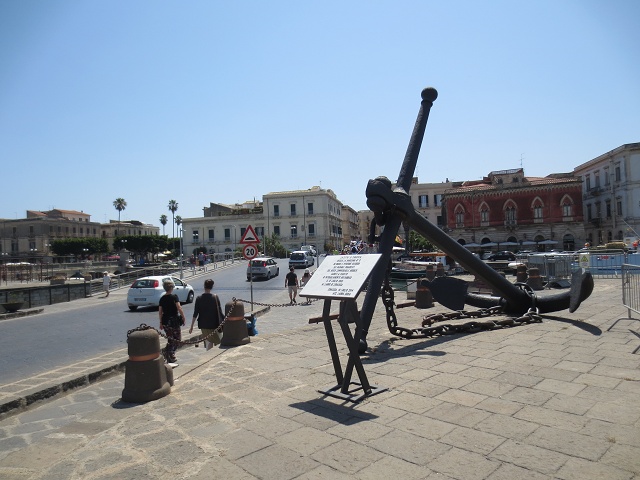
point(631, 288)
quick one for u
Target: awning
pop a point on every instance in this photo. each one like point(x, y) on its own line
point(547, 242)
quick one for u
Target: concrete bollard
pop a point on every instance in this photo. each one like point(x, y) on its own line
point(521, 273)
point(440, 270)
point(431, 274)
point(234, 330)
point(535, 281)
point(424, 297)
point(146, 375)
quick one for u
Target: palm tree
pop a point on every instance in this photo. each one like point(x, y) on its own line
point(120, 204)
point(173, 206)
point(163, 221)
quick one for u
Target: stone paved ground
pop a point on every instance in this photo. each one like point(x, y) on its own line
point(558, 399)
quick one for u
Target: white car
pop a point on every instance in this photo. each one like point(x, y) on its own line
point(301, 259)
point(146, 291)
point(262, 267)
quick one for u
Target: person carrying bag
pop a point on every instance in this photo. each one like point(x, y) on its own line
point(208, 313)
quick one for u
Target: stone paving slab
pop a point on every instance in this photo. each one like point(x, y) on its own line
point(492, 405)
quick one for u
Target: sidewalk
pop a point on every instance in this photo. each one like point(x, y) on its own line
point(558, 399)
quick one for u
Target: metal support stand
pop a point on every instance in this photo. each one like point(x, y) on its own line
point(345, 388)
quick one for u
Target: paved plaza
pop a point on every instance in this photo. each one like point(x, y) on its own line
point(558, 399)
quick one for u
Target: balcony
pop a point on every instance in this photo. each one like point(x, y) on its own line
point(593, 192)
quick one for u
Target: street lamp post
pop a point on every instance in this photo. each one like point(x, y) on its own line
point(235, 243)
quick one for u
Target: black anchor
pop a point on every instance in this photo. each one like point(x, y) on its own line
point(392, 207)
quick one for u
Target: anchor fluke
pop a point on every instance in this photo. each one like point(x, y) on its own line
point(581, 288)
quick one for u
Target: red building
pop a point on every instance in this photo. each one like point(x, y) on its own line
point(508, 211)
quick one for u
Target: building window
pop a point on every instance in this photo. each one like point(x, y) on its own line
point(294, 231)
point(259, 231)
point(276, 230)
point(597, 178)
point(460, 218)
point(437, 200)
point(619, 207)
point(276, 210)
point(589, 216)
point(423, 201)
point(608, 208)
point(566, 210)
point(537, 212)
point(607, 181)
point(227, 234)
point(484, 215)
point(310, 208)
point(211, 234)
point(195, 236)
point(618, 176)
point(242, 230)
point(588, 182)
point(510, 216)
point(293, 209)
point(312, 230)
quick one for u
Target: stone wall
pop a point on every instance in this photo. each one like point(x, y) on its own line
point(46, 295)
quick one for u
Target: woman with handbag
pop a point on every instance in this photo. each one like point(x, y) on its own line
point(171, 319)
point(208, 312)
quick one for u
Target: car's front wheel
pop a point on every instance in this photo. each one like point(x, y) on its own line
point(190, 297)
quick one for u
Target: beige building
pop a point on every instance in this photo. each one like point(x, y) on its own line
point(611, 195)
point(298, 217)
point(350, 225)
point(30, 238)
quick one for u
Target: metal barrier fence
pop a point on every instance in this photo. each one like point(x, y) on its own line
point(607, 264)
point(631, 288)
point(554, 266)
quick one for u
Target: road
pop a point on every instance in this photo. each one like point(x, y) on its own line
point(70, 332)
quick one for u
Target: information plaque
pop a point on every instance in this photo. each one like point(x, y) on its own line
point(340, 277)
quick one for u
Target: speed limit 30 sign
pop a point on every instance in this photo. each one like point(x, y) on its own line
point(250, 251)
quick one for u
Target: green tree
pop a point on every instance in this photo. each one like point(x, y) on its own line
point(120, 204)
point(79, 247)
point(163, 221)
point(273, 246)
point(173, 207)
point(141, 245)
point(418, 242)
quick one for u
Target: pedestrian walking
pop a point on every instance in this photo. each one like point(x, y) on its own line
point(106, 283)
point(208, 313)
point(305, 277)
point(171, 319)
point(291, 283)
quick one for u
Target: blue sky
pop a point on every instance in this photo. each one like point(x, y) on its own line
point(208, 101)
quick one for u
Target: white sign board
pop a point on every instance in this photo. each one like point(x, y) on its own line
point(584, 260)
point(340, 276)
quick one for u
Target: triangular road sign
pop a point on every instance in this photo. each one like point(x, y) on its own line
point(249, 236)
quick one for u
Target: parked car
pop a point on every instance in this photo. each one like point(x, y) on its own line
point(146, 291)
point(505, 255)
point(262, 267)
point(301, 259)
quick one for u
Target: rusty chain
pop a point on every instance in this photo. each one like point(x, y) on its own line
point(218, 329)
point(427, 330)
point(278, 305)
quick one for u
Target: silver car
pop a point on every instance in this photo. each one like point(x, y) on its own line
point(262, 267)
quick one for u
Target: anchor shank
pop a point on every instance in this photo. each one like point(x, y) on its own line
point(513, 295)
point(388, 236)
